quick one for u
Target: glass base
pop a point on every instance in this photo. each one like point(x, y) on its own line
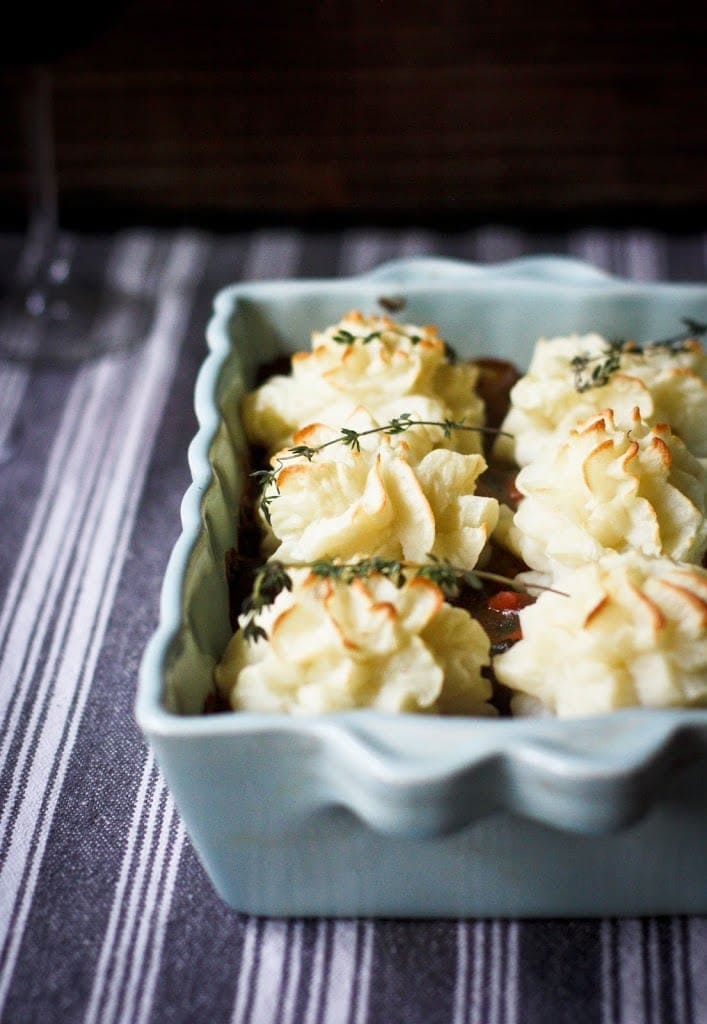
point(68, 323)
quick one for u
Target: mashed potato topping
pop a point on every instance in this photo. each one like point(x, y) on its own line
point(610, 486)
point(364, 361)
point(376, 503)
point(667, 386)
point(333, 646)
point(632, 631)
point(396, 496)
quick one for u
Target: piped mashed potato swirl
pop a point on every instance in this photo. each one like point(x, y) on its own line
point(610, 487)
point(396, 496)
point(667, 386)
point(335, 646)
point(627, 631)
point(370, 361)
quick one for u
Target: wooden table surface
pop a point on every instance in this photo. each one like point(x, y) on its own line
point(376, 108)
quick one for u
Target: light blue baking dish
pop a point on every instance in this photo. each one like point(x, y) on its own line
point(372, 814)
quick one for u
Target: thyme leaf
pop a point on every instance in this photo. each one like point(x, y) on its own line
point(344, 337)
point(303, 451)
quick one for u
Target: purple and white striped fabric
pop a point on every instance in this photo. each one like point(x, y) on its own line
point(106, 917)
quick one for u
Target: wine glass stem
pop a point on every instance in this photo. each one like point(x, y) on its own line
point(43, 190)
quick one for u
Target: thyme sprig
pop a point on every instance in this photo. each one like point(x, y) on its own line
point(344, 337)
point(269, 581)
point(393, 304)
point(351, 438)
point(596, 371)
point(587, 376)
point(273, 577)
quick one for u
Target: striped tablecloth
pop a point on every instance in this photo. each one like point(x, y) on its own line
point(105, 914)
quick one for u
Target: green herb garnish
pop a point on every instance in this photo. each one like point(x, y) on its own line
point(274, 576)
point(597, 371)
point(678, 342)
point(351, 439)
point(269, 581)
point(343, 337)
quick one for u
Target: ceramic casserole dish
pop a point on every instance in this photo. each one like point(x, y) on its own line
point(365, 813)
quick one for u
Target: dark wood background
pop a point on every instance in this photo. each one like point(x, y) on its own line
point(374, 108)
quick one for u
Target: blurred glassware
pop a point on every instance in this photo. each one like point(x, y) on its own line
point(49, 313)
